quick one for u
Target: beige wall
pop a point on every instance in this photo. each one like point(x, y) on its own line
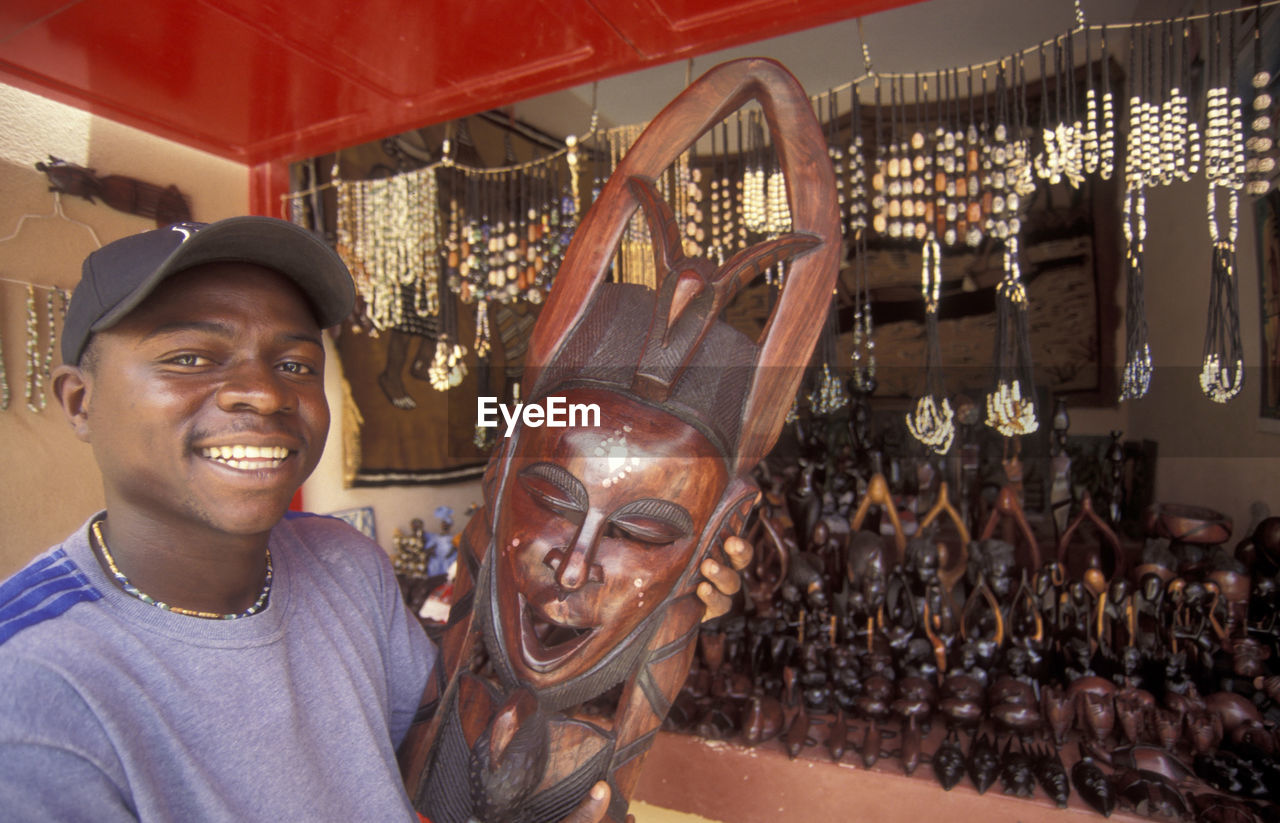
point(48, 481)
point(1209, 454)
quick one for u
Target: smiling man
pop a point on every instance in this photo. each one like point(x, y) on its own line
point(188, 654)
point(191, 653)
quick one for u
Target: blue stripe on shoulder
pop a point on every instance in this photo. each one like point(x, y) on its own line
point(41, 591)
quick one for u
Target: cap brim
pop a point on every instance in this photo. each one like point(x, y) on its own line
point(275, 244)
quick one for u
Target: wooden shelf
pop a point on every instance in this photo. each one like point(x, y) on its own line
point(738, 784)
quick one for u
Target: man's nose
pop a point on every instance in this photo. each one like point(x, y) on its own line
point(255, 386)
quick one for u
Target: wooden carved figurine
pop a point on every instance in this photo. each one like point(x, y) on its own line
point(166, 204)
point(579, 629)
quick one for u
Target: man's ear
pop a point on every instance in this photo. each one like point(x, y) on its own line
point(72, 388)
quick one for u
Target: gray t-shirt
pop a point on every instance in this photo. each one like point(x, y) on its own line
point(112, 709)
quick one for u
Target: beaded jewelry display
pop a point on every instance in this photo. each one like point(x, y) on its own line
point(933, 421)
point(1259, 162)
point(931, 173)
point(133, 590)
point(1222, 370)
point(857, 164)
point(968, 187)
point(1107, 134)
point(1011, 408)
point(1136, 377)
point(829, 394)
point(1004, 163)
point(634, 259)
point(879, 178)
point(754, 203)
point(388, 235)
point(501, 240)
point(1092, 154)
point(1062, 157)
point(864, 345)
point(36, 365)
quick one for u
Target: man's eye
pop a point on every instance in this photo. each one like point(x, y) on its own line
point(189, 360)
point(294, 367)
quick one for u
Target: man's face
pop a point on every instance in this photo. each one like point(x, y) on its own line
point(594, 529)
point(205, 406)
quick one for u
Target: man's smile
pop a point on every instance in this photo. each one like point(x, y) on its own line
point(246, 457)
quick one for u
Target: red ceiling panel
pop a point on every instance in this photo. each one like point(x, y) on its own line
point(339, 34)
point(226, 88)
point(662, 29)
point(16, 15)
point(270, 80)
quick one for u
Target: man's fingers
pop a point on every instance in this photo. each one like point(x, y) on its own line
point(724, 579)
point(738, 551)
point(593, 807)
point(716, 603)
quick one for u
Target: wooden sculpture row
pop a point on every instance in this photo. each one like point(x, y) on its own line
point(1150, 671)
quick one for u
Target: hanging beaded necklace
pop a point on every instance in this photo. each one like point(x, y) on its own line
point(131, 589)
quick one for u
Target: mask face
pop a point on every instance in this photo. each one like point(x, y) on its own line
point(595, 528)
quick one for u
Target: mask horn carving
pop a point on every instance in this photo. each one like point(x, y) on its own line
point(684, 281)
point(789, 335)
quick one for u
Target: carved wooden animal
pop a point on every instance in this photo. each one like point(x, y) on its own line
point(166, 204)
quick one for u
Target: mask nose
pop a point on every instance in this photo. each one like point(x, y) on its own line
point(575, 565)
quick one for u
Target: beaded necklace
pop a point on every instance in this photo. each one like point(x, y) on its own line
point(146, 598)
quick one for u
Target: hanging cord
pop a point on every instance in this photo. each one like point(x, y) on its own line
point(1136, 378)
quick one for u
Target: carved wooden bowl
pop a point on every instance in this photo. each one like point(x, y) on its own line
point(1187, 524)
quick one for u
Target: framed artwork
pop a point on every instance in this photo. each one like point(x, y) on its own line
point(361, 519)
point(1268, 214)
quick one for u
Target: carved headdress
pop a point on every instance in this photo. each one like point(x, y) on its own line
point(674, 359)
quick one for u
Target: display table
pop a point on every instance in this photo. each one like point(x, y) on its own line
point(736, 784)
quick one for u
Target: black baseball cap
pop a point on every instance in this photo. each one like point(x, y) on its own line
point(116, 278)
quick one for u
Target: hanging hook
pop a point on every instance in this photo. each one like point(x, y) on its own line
point(57, 213)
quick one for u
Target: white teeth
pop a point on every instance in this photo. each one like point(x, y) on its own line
point(247, 457)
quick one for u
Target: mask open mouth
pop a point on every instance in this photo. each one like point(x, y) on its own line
point(546, 644)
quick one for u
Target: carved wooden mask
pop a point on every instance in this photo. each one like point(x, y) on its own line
point(586, 559)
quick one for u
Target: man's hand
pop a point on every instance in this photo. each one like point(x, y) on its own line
point(724, 582)
point(593, 807)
